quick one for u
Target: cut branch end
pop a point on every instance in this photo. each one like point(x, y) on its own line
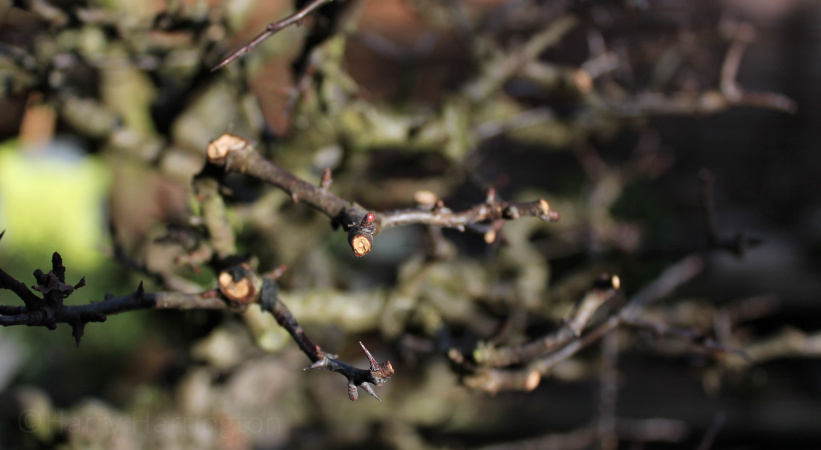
point(361, 244)
point(220, 147)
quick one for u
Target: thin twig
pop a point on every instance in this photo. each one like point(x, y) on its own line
point(608, 391)
point(697, 338)
point(712, 432)
point(272, 29)
point(500, 70)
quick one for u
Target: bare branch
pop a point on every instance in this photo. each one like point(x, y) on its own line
point(48, 314)
point(528, 378)
point(271, 30)
point(20, 289)
point(235, 154)
point(239, 286)
point(377, 375)
point(499, 71)
point(505, 356)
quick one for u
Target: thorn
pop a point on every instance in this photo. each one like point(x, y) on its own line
point(367, 387)
point(2, 233)
point(140, 291)
point(317, 365)
point(81, 283)
point(371, 360)
point(77, 330)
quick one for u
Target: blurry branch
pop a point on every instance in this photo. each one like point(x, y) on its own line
point(708, 102)
point(235, 154)
point(505, 356)
point(221, 236)
point(738, 245)
point(728, 95)
point(638, 431)
point(482, 108)
point(493, 379)
point(608, 391)
point(489, 375)
point(709, 437)
point(506, 65)
point(740, 35)
point(273, 28)
point(119, 254)
point(695, 337)
point(732, 315)
point(790, 342)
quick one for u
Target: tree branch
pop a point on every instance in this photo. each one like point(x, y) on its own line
point(527, 378)
point(272, 29)
point(48, 313)
point(235, 154)
point(505, 356)
point(377, 375)
point(238, 287)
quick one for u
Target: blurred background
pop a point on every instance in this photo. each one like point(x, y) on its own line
point(611, 110)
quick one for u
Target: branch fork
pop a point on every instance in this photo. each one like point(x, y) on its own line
point(235, 154)
point(378, 374)
point(360, 236)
